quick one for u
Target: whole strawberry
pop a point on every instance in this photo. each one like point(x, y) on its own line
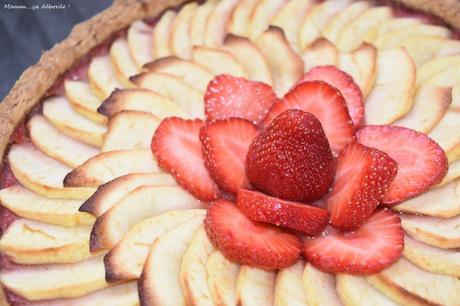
point(291, 159)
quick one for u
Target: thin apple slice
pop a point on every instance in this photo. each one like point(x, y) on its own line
point(83, 101)
point(393, 38)
point(59, 112)
point(240, 20)
point(430, 105)
point(435, 65)
point(222, 275)
point(179, 43)
point(261, 16)
point(101, 77)
point(365, 59)
point(407, 284)
point(42, 174)
point(159, 283)
point(255, 286)
point(376, 34)
point(447, 134)
point(31, 242)
point(193, 275)
point(319, 287)
point(141, 203)
point(442, 202)
point(56, 281)
point(126, 259)
point(216, 24)
point(356, 290)
point(452, 174)
point(193, 74)
point(449, 47)
point(285, 65)
point(57, 145)
point(198, 23)
point(393, 90)
point(130, 130)
point(161, 35)
point(143, 100)
point(320, 52)
point(175, 89)
point(108, 194)
point(217, 61)
point(122, 64)
point(288, 286)
point(448, 76)
point(317, 18)
point(140, 43)
point(106, 166)
point(438, 232)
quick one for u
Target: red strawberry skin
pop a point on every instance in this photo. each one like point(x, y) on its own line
point(371, 248)
point(177, 149)
point(246, 242)
point(326, 103)
point(291, 159)
point(225, 144)
point(363, 176)
point(308, 219)
point(345, 84)
point(422, 163)
point(229, 96)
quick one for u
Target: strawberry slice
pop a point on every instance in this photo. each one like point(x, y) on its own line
point(362, 178)
point(345, 84)
point(371, 248)
point(308, 219)
point(225, 144)
point(422, 163)
point(229, 96)
point(326, 103)
point(177, 148)
point(246, 242)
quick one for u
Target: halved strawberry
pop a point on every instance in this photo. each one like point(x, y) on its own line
point(225, 144)
point(422, 163)
point(177, 148)
point(308, 219)
point(246, 242)
point(371, 248)
point(362, 177)
point(345, 84)
point(326, 103)
point(229, 96)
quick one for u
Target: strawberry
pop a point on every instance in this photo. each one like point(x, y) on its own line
point(326, 103)
point(308, 219)
point(363, 176)
point(371, 248)
point(229, 96)
point(291, 158)
point(177, 148)
point(345, 84)
point(422, 163)
point(225, 144)
point(246, 242)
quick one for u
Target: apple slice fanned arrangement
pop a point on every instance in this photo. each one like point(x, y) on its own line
point(250, 152)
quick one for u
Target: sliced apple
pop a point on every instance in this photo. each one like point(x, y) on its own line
point(365, 59)
point(56, 281)
point(159, 283)
point(319, 287)
point(285, 65)
point(288, 286)
point(261, 16)
point(216, 24)
point(106, 166)
point(435, 65)
point(161, 35)
point(198, 23)
point(449, 76)
point(122, 63)
point(449, 47)
point(175, 89)
point(193, 275)
point(452, 174)
point(140, 43)
point(126, 259)
point(240, 20)
point(141, 203)
point(217, 61)
point(130, 130)
point(250, 57)
point(255, 286)
point(407, 284)
point(141, 100)
point(320, 52)
point(438, 232)
point(392, 95)
point(375, 34)
point(393, 38)
point(101, 77)
point(356, 290)
point(108, 194)
point(179, 43)
point(27, 204)
point(42, 174)
point(222, 275)
point(58, 111)
point(83, 101)
point(447, 134)
point(31, 242)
